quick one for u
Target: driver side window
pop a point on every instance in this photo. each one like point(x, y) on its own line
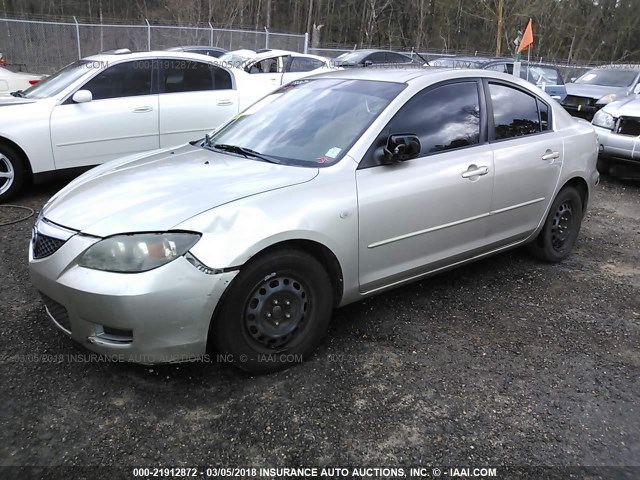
point(444, 118)
point(127, 79)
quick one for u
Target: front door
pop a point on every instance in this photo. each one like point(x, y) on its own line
point(421, 214)
point(121, 119)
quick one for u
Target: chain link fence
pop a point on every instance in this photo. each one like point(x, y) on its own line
point(46, 46)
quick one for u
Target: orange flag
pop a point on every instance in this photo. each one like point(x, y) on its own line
point(527, 39)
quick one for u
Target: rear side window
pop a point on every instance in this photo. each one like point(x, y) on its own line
point(515, 113)
point(444, 118)
point(128, 79)
point(543, 108)
point(397, 58)
point(377, 57)
point(177, 76)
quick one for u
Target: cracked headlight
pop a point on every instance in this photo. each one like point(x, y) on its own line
point(604, 120)
point(138, 252)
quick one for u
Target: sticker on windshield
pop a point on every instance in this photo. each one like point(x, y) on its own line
point(323, 159)
point(589, 76)
point(333, 152)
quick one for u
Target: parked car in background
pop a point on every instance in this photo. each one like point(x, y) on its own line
point(319, 195)
point(461, 61)
point(618, 127)
point(215, 52)
point(600, 86)
point(367, 58)
point(16, 81)
point(546, 77)
point(276, 67)
point(110, 105)
point(3, 60)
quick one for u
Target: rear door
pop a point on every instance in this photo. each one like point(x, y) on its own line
point(195, 97)
point(121, 119)
point(528, 158)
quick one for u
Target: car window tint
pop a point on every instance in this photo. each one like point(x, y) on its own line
point(397, 58)
point(543, 108)
point(187, 76)
point(515, 113)
point(127, 79)
point(302, 64)
point(378, 57)
point(444, 118)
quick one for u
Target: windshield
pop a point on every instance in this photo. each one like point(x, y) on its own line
point(60, 80)
point(309, 122)
point(610, 78)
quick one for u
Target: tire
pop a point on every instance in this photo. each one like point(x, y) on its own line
point(12, 174)
point(276, 312)
point(561, 228)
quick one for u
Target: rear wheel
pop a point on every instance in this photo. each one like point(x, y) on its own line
point(276, 312)
point(12, 172)
point(561, 228)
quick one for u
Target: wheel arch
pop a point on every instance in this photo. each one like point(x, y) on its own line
point(23, 155)
point(320, 252)
point(581, 185)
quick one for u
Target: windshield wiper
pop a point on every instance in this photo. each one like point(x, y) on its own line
point(18, 93)
point(246, 152)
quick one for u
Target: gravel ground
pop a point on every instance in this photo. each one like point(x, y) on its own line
point(504, 362)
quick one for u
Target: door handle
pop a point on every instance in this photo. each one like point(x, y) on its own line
point(476, 172)
point(225, 102)
point(146, 108)
point(549, 155)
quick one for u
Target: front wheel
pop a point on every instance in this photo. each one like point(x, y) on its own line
point(561, 228)
point(12, 173)
point(276, 312)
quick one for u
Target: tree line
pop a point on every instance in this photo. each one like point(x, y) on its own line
point(565, 30)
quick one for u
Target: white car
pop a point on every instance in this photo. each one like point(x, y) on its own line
point(277, 67)
point(111, 105)
point(16, 81)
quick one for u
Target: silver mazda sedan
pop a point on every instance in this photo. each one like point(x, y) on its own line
point(330, 189)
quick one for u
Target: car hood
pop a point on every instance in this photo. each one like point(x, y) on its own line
point(8, 99)
point(157, 191)
point(593, 91)
point(629, 107)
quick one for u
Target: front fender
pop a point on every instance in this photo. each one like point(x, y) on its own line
point(323, 210)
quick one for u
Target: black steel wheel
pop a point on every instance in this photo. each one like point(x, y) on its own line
point(560, 230)
point(276, 311)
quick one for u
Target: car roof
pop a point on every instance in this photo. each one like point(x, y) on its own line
point(144, 55)
point(194, 47)
point(278, 53)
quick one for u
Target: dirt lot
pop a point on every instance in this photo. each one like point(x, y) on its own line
point(505, 362)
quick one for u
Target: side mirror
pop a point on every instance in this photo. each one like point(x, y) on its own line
point(367, 63)
point(82, 96)
point(400, 148)
point(573, 79)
